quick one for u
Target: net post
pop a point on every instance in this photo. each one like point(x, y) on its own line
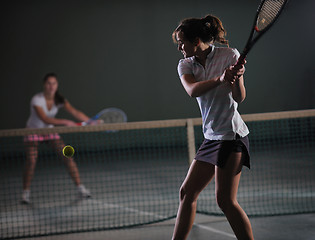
point(191, 140)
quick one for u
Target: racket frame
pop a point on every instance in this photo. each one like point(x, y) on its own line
point(112, 109)
point(258, 33)
point(99, 114)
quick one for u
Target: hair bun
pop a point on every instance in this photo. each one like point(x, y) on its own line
point(207, 24)
point(208, 29)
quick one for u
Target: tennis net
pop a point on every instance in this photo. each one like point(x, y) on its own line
point(134, 171)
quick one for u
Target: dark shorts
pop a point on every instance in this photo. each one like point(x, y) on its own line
point(217, 152)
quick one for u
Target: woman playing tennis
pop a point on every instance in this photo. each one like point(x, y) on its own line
point(44, 107)
point(212, 75)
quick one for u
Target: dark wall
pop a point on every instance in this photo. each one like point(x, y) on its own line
point(120, 53)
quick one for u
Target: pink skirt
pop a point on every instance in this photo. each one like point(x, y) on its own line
point(41, 137)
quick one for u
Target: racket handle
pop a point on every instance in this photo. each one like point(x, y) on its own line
point(81, 124)
point(241, 59)
point(90, 122)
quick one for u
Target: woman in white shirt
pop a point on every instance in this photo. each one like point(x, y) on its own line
point(212, 75)
point(44, 107)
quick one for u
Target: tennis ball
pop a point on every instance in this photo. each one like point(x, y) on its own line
point(68, 151)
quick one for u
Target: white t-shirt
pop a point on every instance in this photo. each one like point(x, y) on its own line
point(34, 121)
point(221, 120)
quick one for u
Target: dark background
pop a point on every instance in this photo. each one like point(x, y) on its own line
point(120, 54)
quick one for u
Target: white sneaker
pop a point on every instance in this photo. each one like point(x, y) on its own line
point(26, 196)
point(83, 192)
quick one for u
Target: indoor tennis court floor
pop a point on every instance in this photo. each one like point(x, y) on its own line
point(287, 227)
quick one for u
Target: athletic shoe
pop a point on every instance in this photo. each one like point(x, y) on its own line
point(83, 192)
point(26, 196)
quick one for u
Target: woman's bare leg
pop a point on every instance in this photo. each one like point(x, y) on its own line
point(58, 145)
point(227, 182)
point(199, 175)
point(31, 158)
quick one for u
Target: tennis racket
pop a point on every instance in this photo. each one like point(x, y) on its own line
point(107, 115)
point(267, 14)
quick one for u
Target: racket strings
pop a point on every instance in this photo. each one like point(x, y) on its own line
point(268, 13)
point(113, 117)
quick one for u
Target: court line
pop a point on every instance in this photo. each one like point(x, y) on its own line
point(134, 210)
point(214, 230)
point(157, 215)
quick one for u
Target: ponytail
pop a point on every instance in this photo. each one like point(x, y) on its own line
point(59, 99)
point(214, 27)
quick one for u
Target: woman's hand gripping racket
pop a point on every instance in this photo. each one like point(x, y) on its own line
point(107, 115)
point(267, 13)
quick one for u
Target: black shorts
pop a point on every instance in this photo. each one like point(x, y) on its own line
point(217, 152)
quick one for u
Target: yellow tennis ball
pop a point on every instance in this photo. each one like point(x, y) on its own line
point(68, 151)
